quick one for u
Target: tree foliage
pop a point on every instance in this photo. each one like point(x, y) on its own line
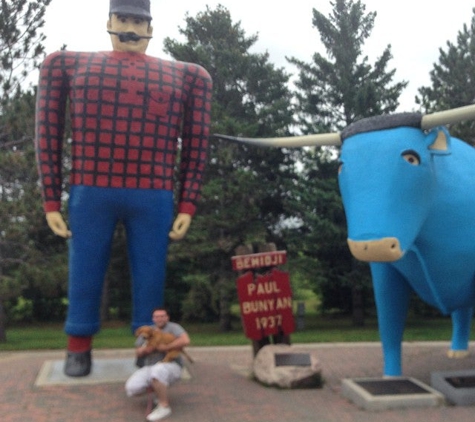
point(453, 80)
point(334, 91)
point(20, 41)
point(244, 186)
point(32, 261)
point(25, 243)
point(250, 195)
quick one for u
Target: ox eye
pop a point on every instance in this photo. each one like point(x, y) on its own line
point(412, 157)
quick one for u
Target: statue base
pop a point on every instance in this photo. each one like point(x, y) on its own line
point(457, 386)
point(390, 393)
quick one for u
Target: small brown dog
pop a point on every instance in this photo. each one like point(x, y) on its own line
point(155, 336)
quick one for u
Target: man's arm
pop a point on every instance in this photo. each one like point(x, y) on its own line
point(141, 348)
point(50, 117)
point(196, 124)
point(179, 343)
point(144, 350)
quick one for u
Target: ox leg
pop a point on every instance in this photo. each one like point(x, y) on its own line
point(461, 324)
point(392, 294)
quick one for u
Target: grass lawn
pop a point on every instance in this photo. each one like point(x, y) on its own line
point(317, 329)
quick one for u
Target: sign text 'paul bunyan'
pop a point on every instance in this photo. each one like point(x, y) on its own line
point(266, 304)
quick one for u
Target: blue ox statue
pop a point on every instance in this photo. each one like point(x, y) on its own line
point(408, 190)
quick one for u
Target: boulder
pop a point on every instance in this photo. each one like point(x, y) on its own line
point(279, 365)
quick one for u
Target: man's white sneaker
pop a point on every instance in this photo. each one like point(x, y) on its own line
point(158, 413)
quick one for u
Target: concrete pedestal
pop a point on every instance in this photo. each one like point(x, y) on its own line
point(390, 393)
point(457, 386)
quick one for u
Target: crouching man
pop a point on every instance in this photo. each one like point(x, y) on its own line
point(155, 373)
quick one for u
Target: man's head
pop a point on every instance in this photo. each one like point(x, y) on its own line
point(160, 317)
point(129, 25)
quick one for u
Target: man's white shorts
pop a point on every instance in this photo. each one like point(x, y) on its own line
point(165, 372)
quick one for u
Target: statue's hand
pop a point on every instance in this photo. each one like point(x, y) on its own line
point(180, 226)
point(57, 224)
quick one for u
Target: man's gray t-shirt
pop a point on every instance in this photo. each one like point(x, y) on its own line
point(172, 327)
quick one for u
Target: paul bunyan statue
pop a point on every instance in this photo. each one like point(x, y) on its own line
point(127, 111)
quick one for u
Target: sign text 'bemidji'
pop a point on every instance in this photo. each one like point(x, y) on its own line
point(259, 260)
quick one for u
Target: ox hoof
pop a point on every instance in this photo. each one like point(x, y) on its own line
point(457, 354)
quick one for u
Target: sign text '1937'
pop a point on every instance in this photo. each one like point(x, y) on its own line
point(266, 304)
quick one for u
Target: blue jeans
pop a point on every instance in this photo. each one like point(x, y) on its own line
point(93, 215)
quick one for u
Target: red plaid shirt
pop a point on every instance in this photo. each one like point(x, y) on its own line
point(127, 112)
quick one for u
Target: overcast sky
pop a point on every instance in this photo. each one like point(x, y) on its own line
point(416, 29)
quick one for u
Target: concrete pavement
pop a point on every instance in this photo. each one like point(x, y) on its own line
point(219, 388)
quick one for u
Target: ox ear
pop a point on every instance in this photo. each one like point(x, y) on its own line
point(439, 141)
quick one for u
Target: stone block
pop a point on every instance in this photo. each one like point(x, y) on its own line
point(279, 365)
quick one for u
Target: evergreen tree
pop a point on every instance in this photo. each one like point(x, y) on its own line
point(332, 92)
point(32, 259)
point(22, 221)
point(244, 186)
point(20, 41)
point(453, 81)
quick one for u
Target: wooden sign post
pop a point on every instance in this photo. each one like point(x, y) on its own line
point(265, 298)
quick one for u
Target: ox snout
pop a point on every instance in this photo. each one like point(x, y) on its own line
point(386, 249)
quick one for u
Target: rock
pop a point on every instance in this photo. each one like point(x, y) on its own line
point(279, 365)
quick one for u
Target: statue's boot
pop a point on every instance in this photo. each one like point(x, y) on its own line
point(78, 364)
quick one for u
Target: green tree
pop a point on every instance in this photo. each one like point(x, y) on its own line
point(21, 40)
point(21, 225)
point(452, 80)
point(318, 235)
point(29, 261)
point(331, 93)
point(244, 188)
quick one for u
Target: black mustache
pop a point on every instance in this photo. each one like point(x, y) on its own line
point(128, 36)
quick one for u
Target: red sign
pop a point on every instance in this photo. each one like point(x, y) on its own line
point(259, 260)
point(266, 304)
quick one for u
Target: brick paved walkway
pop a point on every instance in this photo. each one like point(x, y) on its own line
point(220, 391)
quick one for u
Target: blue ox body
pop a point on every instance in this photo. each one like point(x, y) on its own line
point(408, 190)
point(409, 198)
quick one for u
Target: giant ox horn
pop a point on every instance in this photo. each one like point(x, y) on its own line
point(290, 141)
point(427, 121)
point(447, 117)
